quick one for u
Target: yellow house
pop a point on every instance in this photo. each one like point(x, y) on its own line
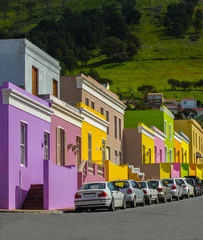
point(193, 130)
point(94, 129)
point(147, 141)
point(177, 148)
point(185, 148)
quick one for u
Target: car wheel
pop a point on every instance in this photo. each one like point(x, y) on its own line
point(181, 198)
point(134, 203)
point(188, 195)
point(143, 202)
point(177, 198)
point(123, 204)
point(78, 210)
point(149, 201)
point(164, 199)
point(171, 198)
point(92, 209)
point(157, 200)
point(112, 206)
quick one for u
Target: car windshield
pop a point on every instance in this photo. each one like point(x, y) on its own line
point(121, 184)
point(169, 181)
point(93, 186)
point(154, 184)
point(188, 181)
point(181, 181)
point(142, 184)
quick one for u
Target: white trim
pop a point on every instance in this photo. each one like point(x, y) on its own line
point(65, 111)
point(94, 120)
point(24, 122)
point(26, 104)
point(170, 114)
point(184, 137)
point(165, 128)
point(47, 131)
point(146, 132)
point(170, 132)
point(158, 133)
point(105, 98)
point(177, 137)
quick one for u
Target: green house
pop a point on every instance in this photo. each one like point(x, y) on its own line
point(162, 118)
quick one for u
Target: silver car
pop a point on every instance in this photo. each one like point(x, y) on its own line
point(151, 194)
point(188, 190)
point(133, 193)
point(176, 187)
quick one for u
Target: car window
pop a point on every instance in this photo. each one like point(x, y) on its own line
point(149, 185)
point(168, 181)
point(142, 184)
point(188, 181)
point(134, 184)
point(181, 181)
point(154, 184)
point(121, 184)
point(111, 186)
point(93, 186)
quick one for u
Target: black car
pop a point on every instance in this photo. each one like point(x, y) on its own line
point(197, 184)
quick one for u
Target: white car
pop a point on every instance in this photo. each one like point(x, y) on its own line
point(188, 189)
point(151, 194)
point(96, 195)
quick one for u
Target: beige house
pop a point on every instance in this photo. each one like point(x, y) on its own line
point(88, 91)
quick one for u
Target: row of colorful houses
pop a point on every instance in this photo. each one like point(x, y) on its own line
point(60, 132)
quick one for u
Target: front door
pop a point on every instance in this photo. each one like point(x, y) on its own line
point(55, 88)
point(34, 81)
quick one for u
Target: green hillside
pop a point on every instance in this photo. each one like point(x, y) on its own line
point(160, 58)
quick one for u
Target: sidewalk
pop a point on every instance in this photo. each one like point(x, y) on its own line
point(56, 211)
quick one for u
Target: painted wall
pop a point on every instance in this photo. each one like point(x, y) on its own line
point(165, 170)
point(115, 172)
point(199, 170)
point(20, 55)
point(177, 151)
point(185, 147)
point(192, 169)
point(175, 170)
point(160, 146)
point(151, 171)
point(149, 145)
point(184, 170)
point(71, 132)
point(60, 186)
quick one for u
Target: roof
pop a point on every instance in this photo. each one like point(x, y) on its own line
point(188, 99)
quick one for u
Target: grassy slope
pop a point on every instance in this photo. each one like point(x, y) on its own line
point(145, 69)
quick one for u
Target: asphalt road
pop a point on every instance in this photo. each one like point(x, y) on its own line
point(181, 220)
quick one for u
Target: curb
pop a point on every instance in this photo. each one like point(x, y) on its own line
point(39, 211)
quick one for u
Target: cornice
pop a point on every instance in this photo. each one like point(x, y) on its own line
point(177, 137)
point(158, 133)
point(185, 137)
point(146, 131)
point(164, 109)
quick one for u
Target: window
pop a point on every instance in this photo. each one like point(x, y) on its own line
point(182, 155)
point(46, 145)
point(34, 81)
point(116, 156)
point(199, 143)
point(134, 184)
point(155, 151)
point(78, 151)
point(102, 110)
point(196, 139)
point(166, 154)
point(61, 146)
point(160, 153)
point(120, 157)
point(108, 152)
point(143, 153)
point(103, 150)
point(87, 101)
point(186, 156)
point(107, 119)
point(115, 126)
point(170, 132)
point(55, 88)
point(170, 153)
point(89, 147)
point(165, 127)
point(119, 128)
point(92, 104)
point(111, 186)
point(193, 138)
point(23, 144)
point(150, 155)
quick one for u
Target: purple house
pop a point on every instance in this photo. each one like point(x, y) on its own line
point(24, 128)
point(159, 144)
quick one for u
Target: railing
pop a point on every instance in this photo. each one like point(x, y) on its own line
point(100, 170)
point(91, 167)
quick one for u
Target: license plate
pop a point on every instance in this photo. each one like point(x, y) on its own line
point(89, 195)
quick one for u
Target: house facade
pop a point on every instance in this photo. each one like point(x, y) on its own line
point(159, 145)
point(25, 126)
point(32, 69)
point(94, 95)
point(177, 148)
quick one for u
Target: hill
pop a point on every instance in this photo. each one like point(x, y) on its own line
point(160, 58)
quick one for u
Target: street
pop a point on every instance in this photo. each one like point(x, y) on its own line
point(181, 220)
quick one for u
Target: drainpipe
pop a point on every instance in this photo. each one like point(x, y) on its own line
point(20, 187)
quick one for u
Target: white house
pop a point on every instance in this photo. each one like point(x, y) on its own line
point(25, 65)
point(188, 103)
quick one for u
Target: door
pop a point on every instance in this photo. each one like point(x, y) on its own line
point(114, 193)
point(152, 191)
point(89, 147)
point(78, 151)
point(55, 88)
point(103, 150)
point(34, 81)
point(137, 191)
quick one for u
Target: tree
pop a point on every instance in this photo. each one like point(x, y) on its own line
point(94, 74)
point(132, 49)
point(185, 84)
point(197, 24)
point(189, 113)
point(84, 55)
point(4, 6)
point(70, 62)
point(146, 89)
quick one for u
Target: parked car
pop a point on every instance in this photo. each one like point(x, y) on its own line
point(133, 193)
point(151, 194)
point(99, 195)
point(198, 184)
point(188, 189)
point(195, 185)
point(176, 187)
point(164, 191)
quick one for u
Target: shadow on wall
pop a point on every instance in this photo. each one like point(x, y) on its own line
point(20, 195)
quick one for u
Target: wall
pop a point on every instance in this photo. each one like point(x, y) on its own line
point(192, 169)
point(97, 136)
point(159, 143)
point(165, 170)
point(151, 171)
point(71, 132)
point(60, 186)
point(199, 171)
point(20, 55)
point(149, 144)
point(185, 147)
point(115, 172)
point(184, 170)
point(4, 164)
point(175, 170)
point(177, 147)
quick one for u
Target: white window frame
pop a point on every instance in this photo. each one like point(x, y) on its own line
point(47, 146)
point(23, 144)
point(116, 156)
point(170, 132)
point(165, 127)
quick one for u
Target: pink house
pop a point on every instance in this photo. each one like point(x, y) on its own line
point(159, 144)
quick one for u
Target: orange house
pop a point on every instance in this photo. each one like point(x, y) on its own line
point(177, 148)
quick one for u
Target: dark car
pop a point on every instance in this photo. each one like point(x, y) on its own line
point(196, 183)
